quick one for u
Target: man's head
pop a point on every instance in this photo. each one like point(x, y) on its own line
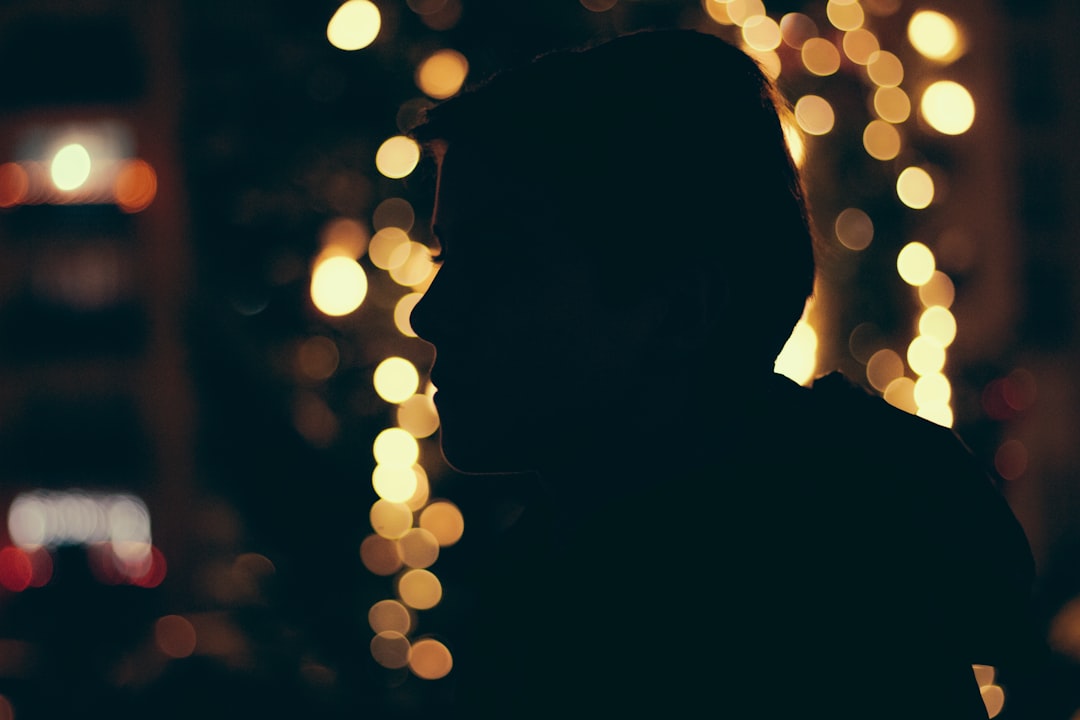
point(618, 223)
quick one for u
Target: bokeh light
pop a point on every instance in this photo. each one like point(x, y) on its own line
point(393, 212)
point(442, 74)
point(798, 359)
point(418, 416)
point(814, 114)
point(417, 267)
point(395, 446)
point(892, 104)
point(883, 367)
point(403, 313)
point(419, 548)
point(948, 107)
point(761, 33)
point(932, 390)
point(338, 285)
point(900, 393)
point(379, 554)
point(419, 589)
point(820, 56)
point(317, 358)
point(796, 28)
point(925, 355)
point(391, 649)
point(854, 229)
point(444, 520)
point(881, 140)
point(389, 615)
point(938, 290)
point(860, 45)
point(354, 25)
point(393, 483)
point(389, 248)
point(915, 263)
point(934, 35)
point(937, 322)
point(390, 520)
point(175, 636)
point(915, 188)
point(885, 69)
point(430, 659)
point(397, 156)
point(844, 14)
point(396, 379)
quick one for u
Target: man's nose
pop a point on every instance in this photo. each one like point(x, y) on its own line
point(426, 315)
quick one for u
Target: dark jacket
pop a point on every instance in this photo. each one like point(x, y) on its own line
point(838, 558)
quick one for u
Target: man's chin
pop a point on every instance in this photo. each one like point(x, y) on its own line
point(477, 457)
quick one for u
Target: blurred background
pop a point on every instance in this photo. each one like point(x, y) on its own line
point(220, 482)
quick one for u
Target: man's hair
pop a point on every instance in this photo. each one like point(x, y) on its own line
point(655, 139)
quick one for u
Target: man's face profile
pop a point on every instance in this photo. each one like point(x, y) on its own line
point(522, 344)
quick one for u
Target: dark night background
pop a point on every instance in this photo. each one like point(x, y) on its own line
point(183, 387)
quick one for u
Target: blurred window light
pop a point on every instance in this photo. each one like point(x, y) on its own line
point(53, 518)
point(14, 184)
point(934, 35)
point(948, 107)
point(442, 74)
point(70, 167)
point(135, 186)
point(354, 25)
point(798, 358)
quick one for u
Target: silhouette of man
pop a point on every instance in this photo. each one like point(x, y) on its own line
point(625, 249)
